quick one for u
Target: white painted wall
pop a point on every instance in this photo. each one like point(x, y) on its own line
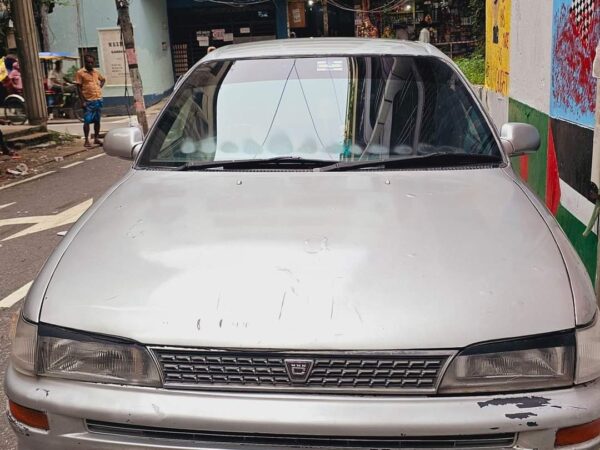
point(495, 104)
point(531, 53)
point(151, 29)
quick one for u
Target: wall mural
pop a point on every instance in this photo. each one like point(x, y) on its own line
point(575, 37)
point(497, 45)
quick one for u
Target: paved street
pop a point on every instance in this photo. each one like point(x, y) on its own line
point(31, 216)
point(75, 127)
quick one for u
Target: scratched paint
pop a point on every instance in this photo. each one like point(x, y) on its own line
point(519, 402)
point(575, 37)
point(520, 415)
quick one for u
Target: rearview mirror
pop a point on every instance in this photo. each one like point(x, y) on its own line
point(519, 138)
point(123, 143)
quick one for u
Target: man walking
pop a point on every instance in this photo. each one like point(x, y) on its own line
point(89, 86)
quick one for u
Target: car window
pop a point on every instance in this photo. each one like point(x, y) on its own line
point(327, 108)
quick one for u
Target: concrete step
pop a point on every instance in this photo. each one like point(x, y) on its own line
point(16, 131)
point(28, 140)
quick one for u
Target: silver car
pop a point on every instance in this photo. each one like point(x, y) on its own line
point(321, 244)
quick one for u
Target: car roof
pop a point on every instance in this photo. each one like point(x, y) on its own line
point(323, 47)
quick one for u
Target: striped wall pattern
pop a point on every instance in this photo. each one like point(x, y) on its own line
point(551, 46)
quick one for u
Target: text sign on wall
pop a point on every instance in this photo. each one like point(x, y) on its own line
point(113, 56)
point(497, 45)
point(218, 34)
point(296, 15)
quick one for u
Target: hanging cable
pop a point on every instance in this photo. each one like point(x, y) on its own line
point(79, 28)
point(235, 4)
point(125, 66)
point(384, 8)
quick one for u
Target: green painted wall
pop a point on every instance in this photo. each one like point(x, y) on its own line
point(519, 112)
point(585, 246)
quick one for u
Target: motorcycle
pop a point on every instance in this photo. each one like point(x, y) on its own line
point(60, 104)
point(13, 105)
point(65, 105)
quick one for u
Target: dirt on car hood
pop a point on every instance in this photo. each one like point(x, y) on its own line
point(296, 260)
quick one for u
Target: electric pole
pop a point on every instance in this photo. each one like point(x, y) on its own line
point(29, 60)
point(134, 71)
point(44, 11)
point(325, 19)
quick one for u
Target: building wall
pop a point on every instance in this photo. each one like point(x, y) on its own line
point(548, 82)
point(530, 56)
point(153, 44)
point(76, 25)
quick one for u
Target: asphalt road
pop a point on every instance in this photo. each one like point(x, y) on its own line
point(31, 215)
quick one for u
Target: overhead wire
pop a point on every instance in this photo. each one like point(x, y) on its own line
point(235, 4)
point(384, 8)
point(125, 69)
point(79, 28)
point(241, 3)
point(387, 7)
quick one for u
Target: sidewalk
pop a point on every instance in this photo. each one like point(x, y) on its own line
point(75, 127)
point(32, 161)
point(39, 151)
point(19, 136)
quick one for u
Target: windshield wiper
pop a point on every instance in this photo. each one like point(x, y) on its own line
point(415, 162)
point(279, 162)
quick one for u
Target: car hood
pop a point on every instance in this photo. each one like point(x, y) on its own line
point(285, 260)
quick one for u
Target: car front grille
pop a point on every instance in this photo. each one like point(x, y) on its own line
point(223, 440)
point(349, 372)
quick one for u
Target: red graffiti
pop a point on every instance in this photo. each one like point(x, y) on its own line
point(552, 177)
point(574, 53)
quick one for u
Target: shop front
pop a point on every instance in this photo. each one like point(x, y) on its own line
point(197, 25)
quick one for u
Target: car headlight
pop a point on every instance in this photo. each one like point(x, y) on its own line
point(588, 352)
point(23, 347)
point(68, 354)
point(515, 365)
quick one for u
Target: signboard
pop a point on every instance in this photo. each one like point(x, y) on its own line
point(228, 37)
point(296, 15)
point(245, 30)
point(113, 56)
point(203, 41)
point(497, 45)
point(218, 34)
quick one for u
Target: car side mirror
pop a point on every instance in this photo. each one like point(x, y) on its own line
point(123, 143)
point(519, 138)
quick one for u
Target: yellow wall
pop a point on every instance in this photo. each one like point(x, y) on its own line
point(497, 45)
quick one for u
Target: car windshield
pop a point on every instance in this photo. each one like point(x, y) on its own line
point(338, 109)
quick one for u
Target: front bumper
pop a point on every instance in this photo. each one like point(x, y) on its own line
point(534, 417)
